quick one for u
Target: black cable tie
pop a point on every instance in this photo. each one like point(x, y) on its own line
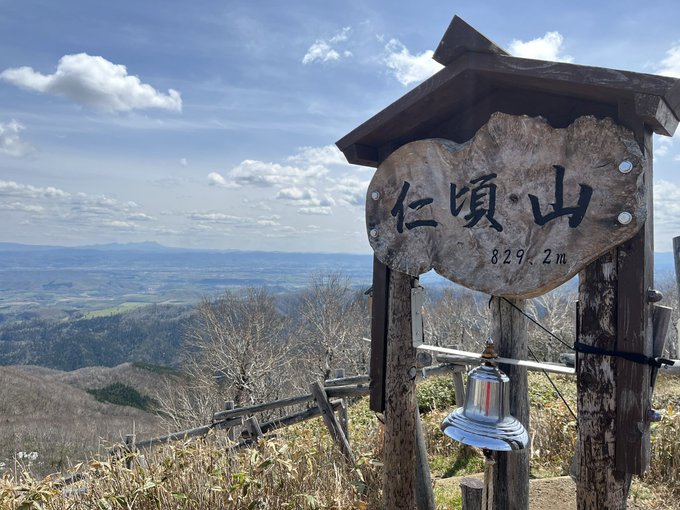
point(635, 357)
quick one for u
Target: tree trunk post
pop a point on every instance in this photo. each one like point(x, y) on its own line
point(676, 256)
point(599, 484)
point(471, 490)
point(511, 469)
point(400, 399)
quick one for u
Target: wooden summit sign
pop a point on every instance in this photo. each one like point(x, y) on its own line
point(516, 211)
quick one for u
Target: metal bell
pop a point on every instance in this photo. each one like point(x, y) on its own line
point(485, 421)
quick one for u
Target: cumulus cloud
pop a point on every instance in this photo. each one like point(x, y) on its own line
point(216, 179)
point(670, 66)
point(307, 200)
point(325, 50)
point(408, 68)
point(94, 82)
point(548, 47)
point(11, 142)
point(327, 155)
point(350, 191)
point(666, 213)
point(258, 173)
point(319, 210)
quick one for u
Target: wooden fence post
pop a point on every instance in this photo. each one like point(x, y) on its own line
point(511, 469)
point(599, 484)
point(231, 433)
point(129, 449)
point(471, 490)
point(253, 428)
point(331, 422)
point(399, 454)
point(459, 387)
point(676, 257)
point(342, 412)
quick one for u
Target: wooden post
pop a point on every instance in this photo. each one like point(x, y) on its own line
point(471, 490)
point(231, 433)
point(342, 412)
point(676, 257)
point(381, 279)
point(424, 492)
point(459, 387)
point(253, 428)
point(399, 454)
point(511, 469)
point(599, 484)
point(129, 449)
point(634, 321)
point(331, 422)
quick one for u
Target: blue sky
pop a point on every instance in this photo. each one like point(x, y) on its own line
point(212, 124)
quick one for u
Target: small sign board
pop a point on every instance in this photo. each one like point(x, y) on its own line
point(516, 211)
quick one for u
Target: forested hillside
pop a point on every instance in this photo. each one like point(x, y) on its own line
point(150, 334)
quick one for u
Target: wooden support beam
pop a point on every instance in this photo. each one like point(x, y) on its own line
point(399, 454)
point(634, 321)
point(381, 279)
point(331, 421)
point(344, 381)
point(459, 387)
point(231, 433)
point(661, 319)
point(599, 484)
point(258, 408)
point(511, 469)
point(424, 492)
point(253, 428)
point(130, 449)
point(676, 259)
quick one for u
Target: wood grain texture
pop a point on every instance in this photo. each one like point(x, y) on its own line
point(634, 323)
point(599, 484)
point(485, 214)
point(332, 423)
point(511, 470)
point(399, 454)
point(676, 260)
point(461, 38)
point(381, 279)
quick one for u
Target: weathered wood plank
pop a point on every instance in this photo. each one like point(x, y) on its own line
point(345, 381)
point(358, 390)
point(381, 278)
point(511, 469)
point(334, 427)
point(661, 319)
point(634, 321)
point(252, 426)
point(399, 453)
point(186, 434)
point(424, 492)
point(655, 112)
point(459, 387)
point(343, 418)
point(676, 259)
point(515, 212)
point(258, 408)
point(599, 484)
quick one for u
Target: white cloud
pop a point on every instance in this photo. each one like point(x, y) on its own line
point(350, 190)
point(19, 206)
point(325, 156)
point(324, 50)
point(11, 142)
point(670, 66)
point(408, 68)
point(183, 162)
point(318, 210)
point(216, 179)
point(258, 173)
point(94, 82)
point(548, 47)
point(666, 214)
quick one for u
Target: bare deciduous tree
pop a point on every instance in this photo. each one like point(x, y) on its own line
point(333, 318)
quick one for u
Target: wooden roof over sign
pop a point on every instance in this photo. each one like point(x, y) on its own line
point(479, 78)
